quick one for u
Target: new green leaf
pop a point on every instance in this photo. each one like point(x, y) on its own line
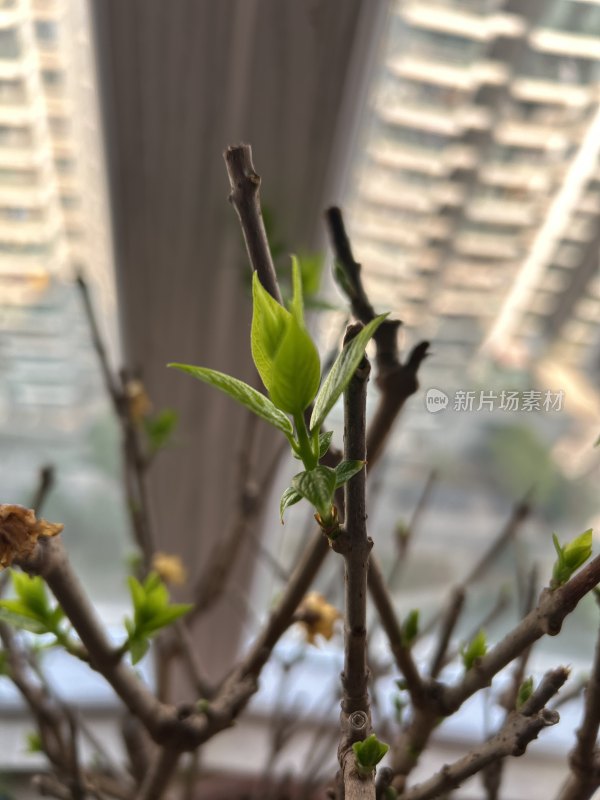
point(242, 393)
point(368, 754)
point(289, 498)
point(346, 470)
point(410, 627)
point(525, 691)
point(570, 557)
point(477, 648)
point(317, 486)
point(283, 352)
point(341, 372)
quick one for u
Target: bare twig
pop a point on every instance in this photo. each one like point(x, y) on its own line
point(513, 739)
point(546, 619)
point(391, 626)
point(160, 774)
point(584, 778)
point(355, 546)
point(396, 381)
point(449, 620)
point(245, 198)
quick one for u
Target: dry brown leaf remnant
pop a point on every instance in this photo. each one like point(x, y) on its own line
point(170, 568)
point(317, 617)
point(20, 531)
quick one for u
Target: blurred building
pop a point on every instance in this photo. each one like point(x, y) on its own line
point(477, 208)
point(53, 216)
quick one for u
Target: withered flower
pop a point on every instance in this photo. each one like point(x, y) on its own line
point(169, 568)
point(140, 404)
point(20, 531)
point(317, 617)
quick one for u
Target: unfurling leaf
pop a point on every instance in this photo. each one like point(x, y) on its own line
point(410, 627)
point(341, 372)
point(570, 557)
point(317, 486)
point(525, 691)
point(368, 754)
point(242, 393)
point(477, 648)
point(160, 428)
point(346, 470)
point(151, 612)
point(289, 498)
point(283, 352)
point(324, 442)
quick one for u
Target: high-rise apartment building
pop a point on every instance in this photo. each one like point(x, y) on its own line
point(478, 205)
point(53, 217)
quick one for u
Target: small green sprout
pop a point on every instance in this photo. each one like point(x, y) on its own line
point(477, 648)
point(410, 627)
point(368, 753)
point(151, 612)
point(571, 556)
point(525, 692)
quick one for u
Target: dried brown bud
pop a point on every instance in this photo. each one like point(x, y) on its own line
point(137, 397)
point(317, 617)
point(19, 532)
point(169, 568)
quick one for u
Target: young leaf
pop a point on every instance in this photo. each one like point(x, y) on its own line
point(289, 498)
point(368, 754)
point(317, 486)
point(570, 557)
point(410, 627)
point(525, 691)
point(296, 370)
point(269, 323)
point(160, 428)
point(242, 393)
point(477, 648)
point(324, 442)
point(341, 372)
point(346, 470)
point(283, 352)
point(138, 647)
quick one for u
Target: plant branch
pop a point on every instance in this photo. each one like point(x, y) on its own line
point(245, 198)
point(355, 546)
point(584, 778)
point(443, 700)
point(396, 381)
point(449, 620)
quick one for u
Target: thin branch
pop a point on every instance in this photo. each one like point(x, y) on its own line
point(442, 700)
point(518, 731)
point(391, 626)
point(355, 546)
point(396, 381)
point(160, 774)
point(245, 198)
point(449, 620)
point(584, 778)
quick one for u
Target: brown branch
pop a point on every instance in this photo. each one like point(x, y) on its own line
point(133, 454)
point(160, 774)
point(517, 732)
point(355, 546)
point(449, 620)
point(442, 700)
point(584, 779)
point(396, 381)
point(391, 626)
point(245, 198)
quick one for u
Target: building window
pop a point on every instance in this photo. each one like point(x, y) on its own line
point(46, 31)
point(10, 46)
